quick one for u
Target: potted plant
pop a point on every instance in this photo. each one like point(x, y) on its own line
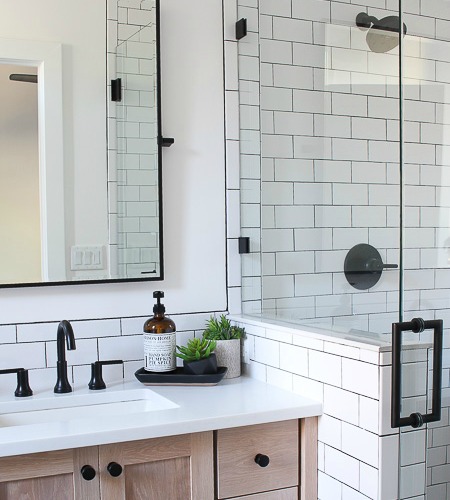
point(228, 343)
point(198, 356)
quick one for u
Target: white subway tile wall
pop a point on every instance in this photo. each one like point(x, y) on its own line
point(329, 141)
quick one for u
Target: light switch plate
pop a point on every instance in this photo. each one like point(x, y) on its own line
point(86, 258)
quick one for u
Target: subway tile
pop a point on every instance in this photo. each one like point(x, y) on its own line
point(342, 467)
point(8, 334)
point(36, 332)
point(388, 476)
point(313, 239)
point(331, 126)
point(360, 444)
point(275, 240)
point(26, 355)
point(292, 77)
point(312, 147)
point(311, 56)
point(412, 480)
point(368, 480)
point(350, 149)
point(313, 284)
point(330, 431)
point(345, 194)
point(311, 101)
point(329, 261)
point(267, 352)
point(293, 123)
point(294, 262)
point(342, 404)
point(328, 487)
point(348, 237)
point(325, 368)
point(275, 51)
point(368, 414)
point(308, 388)
point(294, 359)
point(312, 194)
point(294, 170)
point(314, 10)
point(292, 30)
point(249, 118)
point(128, 348)
point(342, 103)
point(279, 8)
point(248, 69)
point(332, 171)
point(360, 377)
point(251, 14)
point(328, 216)
point(277, 286)
point(279, 378)
point(294, 216)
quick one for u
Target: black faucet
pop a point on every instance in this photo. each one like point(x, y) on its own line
point(64, 331)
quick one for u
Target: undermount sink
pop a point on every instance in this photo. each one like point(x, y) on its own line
point(63, 408)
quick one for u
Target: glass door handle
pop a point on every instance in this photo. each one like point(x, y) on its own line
point(416, 419)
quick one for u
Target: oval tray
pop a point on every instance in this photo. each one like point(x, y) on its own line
point(179, 377)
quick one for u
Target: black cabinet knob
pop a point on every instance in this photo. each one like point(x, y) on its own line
point(114, 469)
point(262, 460)
point(87, 472)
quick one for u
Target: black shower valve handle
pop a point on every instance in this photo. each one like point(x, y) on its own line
point(96, 383)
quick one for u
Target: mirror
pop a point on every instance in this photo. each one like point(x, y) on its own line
point(80, 175)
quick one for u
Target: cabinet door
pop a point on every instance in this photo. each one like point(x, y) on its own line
point(175, 468)
point(54, 474)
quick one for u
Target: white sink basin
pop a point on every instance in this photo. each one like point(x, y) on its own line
point(63, 408)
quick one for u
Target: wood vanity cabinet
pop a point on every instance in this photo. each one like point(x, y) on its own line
point(200, 466)
point(175, 467)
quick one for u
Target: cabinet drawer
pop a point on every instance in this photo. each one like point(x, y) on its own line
point(238, 473)
point(285, 494)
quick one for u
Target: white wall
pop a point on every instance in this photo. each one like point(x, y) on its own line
point(193, 186)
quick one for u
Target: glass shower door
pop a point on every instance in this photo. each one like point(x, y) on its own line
point(424, 468)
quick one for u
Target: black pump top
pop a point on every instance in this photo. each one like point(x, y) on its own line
point(158, 308)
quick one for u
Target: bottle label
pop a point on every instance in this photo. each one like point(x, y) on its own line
point(159, 352)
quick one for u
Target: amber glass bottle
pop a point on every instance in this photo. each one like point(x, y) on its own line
point(159, 339)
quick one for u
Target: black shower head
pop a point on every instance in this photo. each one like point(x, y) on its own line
point(383, 34)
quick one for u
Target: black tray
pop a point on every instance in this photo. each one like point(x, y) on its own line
point(179, 377)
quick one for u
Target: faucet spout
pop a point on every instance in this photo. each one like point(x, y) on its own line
point(65, 332)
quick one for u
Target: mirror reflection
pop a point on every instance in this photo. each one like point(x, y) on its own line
point(76, 207)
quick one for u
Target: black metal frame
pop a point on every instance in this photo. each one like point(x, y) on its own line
point(416, 419)
point(160, 191)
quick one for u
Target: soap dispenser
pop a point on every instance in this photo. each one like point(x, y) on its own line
point(159, 339)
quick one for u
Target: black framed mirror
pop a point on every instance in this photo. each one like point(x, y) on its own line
point(88, 207)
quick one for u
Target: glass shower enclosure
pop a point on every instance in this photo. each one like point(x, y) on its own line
point(352, 200)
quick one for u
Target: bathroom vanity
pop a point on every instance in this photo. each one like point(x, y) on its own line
point(236, 439)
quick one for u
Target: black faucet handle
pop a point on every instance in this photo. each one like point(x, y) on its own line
point(23, 388)
point(96, 383)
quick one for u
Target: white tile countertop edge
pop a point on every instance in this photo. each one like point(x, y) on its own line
point(231, 403)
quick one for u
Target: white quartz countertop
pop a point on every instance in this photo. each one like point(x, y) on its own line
point(231, 403)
